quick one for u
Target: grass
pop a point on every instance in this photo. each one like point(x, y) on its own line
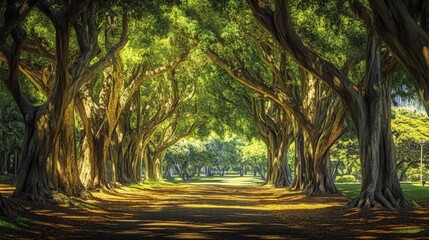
point(13, 224)
point(6, 223)
point(410, 230)
point(149, 185)
point(230, 179)
point(413, 191)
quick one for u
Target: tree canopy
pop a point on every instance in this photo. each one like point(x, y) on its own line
point(97, 94)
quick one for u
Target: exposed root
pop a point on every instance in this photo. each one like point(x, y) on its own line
point(8, 208)
point(378, 199)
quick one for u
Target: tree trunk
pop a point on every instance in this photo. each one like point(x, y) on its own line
point(277, 170)
point(45, 168)
point(300, 163)
point(380, 184)
point(129, 161)
point(154, 166)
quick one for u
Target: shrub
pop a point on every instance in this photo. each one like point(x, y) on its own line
point(345, 178)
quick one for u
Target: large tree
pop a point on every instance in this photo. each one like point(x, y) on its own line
point(13, 15)
point(367, 103)
point(48, 158)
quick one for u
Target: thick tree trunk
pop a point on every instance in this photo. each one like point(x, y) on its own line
point(93, 171)
point(129, 161)
point(278, 173)
point(154, 167)
point(45, 168)
point(322, 181)
point(380, 184)
point(65, 174)
point(300, 163)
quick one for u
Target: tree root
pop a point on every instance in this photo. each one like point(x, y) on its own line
point(380, 199)
point(8, 208)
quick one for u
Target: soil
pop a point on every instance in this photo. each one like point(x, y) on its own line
point(211, 212)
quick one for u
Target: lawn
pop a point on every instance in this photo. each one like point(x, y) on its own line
point(413, 191)
point(227, 180)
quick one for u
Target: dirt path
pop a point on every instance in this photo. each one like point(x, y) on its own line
point(214, 212)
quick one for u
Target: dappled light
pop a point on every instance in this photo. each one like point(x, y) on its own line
point(213, 211)
point(214, 119)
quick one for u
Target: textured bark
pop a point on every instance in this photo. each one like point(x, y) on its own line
point(275, 130)
point(380, 184)
point(8, 208)
point(299, 181)
point(327, 116)
point(100, 120)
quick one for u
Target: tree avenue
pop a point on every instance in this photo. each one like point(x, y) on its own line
point(117, 92)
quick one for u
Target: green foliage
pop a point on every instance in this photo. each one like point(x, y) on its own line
point(345, 179)
point(408, 127)
point(254, 153)
point(11, 124)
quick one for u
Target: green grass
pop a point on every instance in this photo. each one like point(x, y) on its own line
point(410, 230)
point(13, 224)
point(149, 184)
point(230, 179)
point(7, 223)
point(413, 191)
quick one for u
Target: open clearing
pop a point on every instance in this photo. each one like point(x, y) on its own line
point(186, 211)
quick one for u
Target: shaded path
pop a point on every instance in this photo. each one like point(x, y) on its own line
point(215, 212)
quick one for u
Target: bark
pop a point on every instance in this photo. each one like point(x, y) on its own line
point(154, 167)
point(8, 208)
point(300, 163)
point(275, 130)
point(369, 107)
point(127, 147)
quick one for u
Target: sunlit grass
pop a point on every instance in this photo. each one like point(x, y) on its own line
point(410, 230)
point(229, 179)
point(272, 207)
point(149, 184)
point(6, 223)
point(413, 191)
point(16, 223)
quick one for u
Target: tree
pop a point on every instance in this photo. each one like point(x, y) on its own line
point(13, 15)
point(408, 128)
point(159, 144)
point(253, 156)
point(275, 129)
point(50, 127)
point(369, 105)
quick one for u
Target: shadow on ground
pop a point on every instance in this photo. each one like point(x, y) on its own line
point(214, 212)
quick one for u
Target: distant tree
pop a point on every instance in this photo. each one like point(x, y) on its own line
point(408, 128)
